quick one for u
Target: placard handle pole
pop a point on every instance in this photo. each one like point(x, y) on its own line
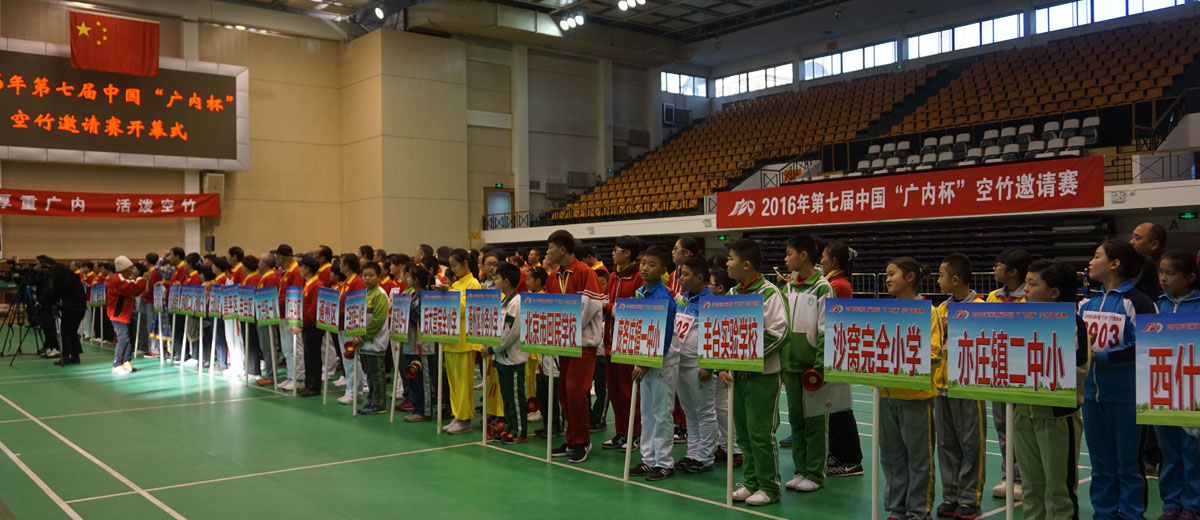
point(875, 453)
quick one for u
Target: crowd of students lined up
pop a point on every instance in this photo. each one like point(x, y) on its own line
point(681, 403)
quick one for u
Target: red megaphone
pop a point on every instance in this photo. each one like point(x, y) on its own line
point(349, 350)
point(412, 369)
point(812, 380)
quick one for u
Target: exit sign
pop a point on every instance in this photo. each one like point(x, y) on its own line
point(1187, 215)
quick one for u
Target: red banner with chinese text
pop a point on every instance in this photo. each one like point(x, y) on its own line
point(108, 205)
point(113, 44)
point(1003, 188)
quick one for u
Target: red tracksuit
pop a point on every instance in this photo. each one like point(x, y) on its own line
point(576, 373)
point(619, 376)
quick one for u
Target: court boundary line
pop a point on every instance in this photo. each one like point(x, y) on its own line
point(158, 407)
point(640, 484)
point(277, 471)
point(137, 489)
point(62, 504)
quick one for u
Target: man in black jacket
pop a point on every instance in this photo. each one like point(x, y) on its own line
point(64, 291)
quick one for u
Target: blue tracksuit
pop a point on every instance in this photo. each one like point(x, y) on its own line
point(1179, 481)
point(1118, 489)
point(658, 389)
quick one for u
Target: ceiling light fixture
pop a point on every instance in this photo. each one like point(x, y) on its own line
point(623, 6)
point(579, 19)
point(379, 13)
point(563, 24)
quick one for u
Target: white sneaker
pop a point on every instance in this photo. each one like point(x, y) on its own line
point(535, 417)
point(346, 399)
point(287, 385)
point(457, 427)
point(759, 498)
point(191, 362)
point(800, 483)
point(741, 494)
point(341, 381)
point(119, 370)
point(998, 490)
point(479, 386)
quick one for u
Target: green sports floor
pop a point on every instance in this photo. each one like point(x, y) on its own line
point(81, 443)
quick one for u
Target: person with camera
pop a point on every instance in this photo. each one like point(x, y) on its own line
point(122, 289)
point(63, 290)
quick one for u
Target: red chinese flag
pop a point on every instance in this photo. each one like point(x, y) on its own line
point(111, 44)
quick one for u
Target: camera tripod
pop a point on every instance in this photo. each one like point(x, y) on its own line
point(18, 325)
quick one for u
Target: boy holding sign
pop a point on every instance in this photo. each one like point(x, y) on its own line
point(575, 277)
point(756, 396)
point(961, 432)
point(1047, 437)
point(509, 359)
point(697, 388)
point(804, 352)
point(657, 385)
point(372, 345)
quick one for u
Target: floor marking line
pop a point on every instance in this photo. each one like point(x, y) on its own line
point(641, 484)
point(66, 377)
point(59, 373)
point(41, 484)
point(96, 461)
point(283, 470)
point(159, 407)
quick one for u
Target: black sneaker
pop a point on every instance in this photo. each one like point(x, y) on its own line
point(946, 510)
point(965, 512)
point(846, 469)
point(616, 442)
point(561, 451)
point(640, 470)
point(680, 435)
point(720, 454)
point(598, 426)
point(786, 442)
point(580, 453)
point(696, 467)
point(686, 463)
point(659, 474)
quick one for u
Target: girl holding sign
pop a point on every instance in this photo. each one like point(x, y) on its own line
point(1179, 481)
point(1047, 437)
point(423, 379)
point(845, 451)
point(1118, 488)
point(906, 418)
point(460, 357)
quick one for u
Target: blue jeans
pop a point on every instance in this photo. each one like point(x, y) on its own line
point(124, 349)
